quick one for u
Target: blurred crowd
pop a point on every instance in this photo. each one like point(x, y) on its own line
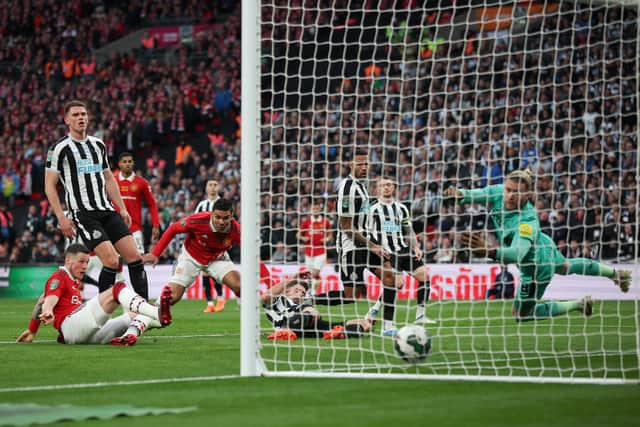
point(138, 102)
point(557, 94)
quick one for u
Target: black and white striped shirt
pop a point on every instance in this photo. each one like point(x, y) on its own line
point(81, 166)
point(353, 202)
point(206, 205)
point(386, 225)
point(282, 309)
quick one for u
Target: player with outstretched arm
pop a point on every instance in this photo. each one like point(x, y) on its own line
point(522, 242)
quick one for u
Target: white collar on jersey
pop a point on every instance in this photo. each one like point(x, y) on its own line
point(68, 273)
point(78, 140)
point(130, 178)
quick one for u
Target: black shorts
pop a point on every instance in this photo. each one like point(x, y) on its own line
point(305, 325)
point(353, 263)
point(405, 261)
point(95, 227)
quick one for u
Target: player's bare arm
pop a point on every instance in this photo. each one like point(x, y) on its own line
point(51, 179)
point(346, 225)
point(412, 239)
point(150, 258)
point(28, 335)
point(114, 193)
point(47, 316)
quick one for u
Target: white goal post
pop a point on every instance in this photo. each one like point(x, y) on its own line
point(441, 94)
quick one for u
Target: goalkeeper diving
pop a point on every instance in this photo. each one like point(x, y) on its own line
point(523, 243)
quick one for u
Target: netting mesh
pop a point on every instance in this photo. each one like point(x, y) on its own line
point(442, 94)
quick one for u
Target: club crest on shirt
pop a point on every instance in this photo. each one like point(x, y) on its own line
point(96, 234)
point(134, 187)
point(226, 241)
point(54, 284)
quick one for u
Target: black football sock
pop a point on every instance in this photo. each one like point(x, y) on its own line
point(106, 279)
point(332, 298)
point(424, 290)
point(138, 278)
point(206, 284)
point(218, 287)
point(388, 302)
point(88, 280)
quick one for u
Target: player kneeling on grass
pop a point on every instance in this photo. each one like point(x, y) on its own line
point(292, 316)
point(89, 323)
point(535, 253)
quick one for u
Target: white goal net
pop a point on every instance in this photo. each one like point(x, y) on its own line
point(438, 95)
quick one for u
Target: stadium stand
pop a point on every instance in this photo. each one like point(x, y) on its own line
point(182, 117)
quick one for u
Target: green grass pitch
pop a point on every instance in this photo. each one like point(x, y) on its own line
point(469, 339)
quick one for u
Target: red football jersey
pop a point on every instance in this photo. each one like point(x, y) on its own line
point(203, 242)
point(133, 190)
point(316, 228)
point(67, 289)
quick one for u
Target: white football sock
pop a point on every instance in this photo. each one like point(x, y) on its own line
point(136, 304)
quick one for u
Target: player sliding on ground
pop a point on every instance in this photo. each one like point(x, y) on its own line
point(293, 316)
point(89, 323)
point(522, 242)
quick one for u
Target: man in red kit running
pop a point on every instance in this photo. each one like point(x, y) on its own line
point(314, 231)
point(133, 189)
point(91, 323)
point(208, 237)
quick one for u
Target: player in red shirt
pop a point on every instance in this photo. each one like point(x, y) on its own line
point(315, 231)
point(208, 237)
point(91, 323)
point(133, 190)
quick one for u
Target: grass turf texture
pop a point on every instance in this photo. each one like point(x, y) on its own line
point(200, 344)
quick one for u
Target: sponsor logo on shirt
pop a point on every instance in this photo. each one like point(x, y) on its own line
point(87, 166)
point(526, 230)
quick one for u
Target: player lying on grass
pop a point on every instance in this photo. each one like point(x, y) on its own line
point(522, 242)
point(292, 316)
point(208, 237)
point(89, 323)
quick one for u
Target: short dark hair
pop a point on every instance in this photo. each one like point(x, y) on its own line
point(304, 283)
point(361, 152)
point(125, 154)
point(74, 103)
point(223, 205)
point(76, 248)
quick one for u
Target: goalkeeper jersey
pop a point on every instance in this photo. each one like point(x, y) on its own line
point(539, 261)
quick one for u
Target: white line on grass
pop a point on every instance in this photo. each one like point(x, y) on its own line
point(116, 383)
point(149, 337)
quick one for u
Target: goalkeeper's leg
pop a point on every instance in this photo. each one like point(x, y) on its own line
point(589, 267)
point(527, 308)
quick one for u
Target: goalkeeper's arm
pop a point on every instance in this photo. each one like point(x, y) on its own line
point(513, 254)
point(479, 195)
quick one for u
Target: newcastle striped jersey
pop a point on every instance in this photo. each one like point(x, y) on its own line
point(282, 309)
point(206, 205)
point(353, 202)
point(386, 224)
point(81, 166)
